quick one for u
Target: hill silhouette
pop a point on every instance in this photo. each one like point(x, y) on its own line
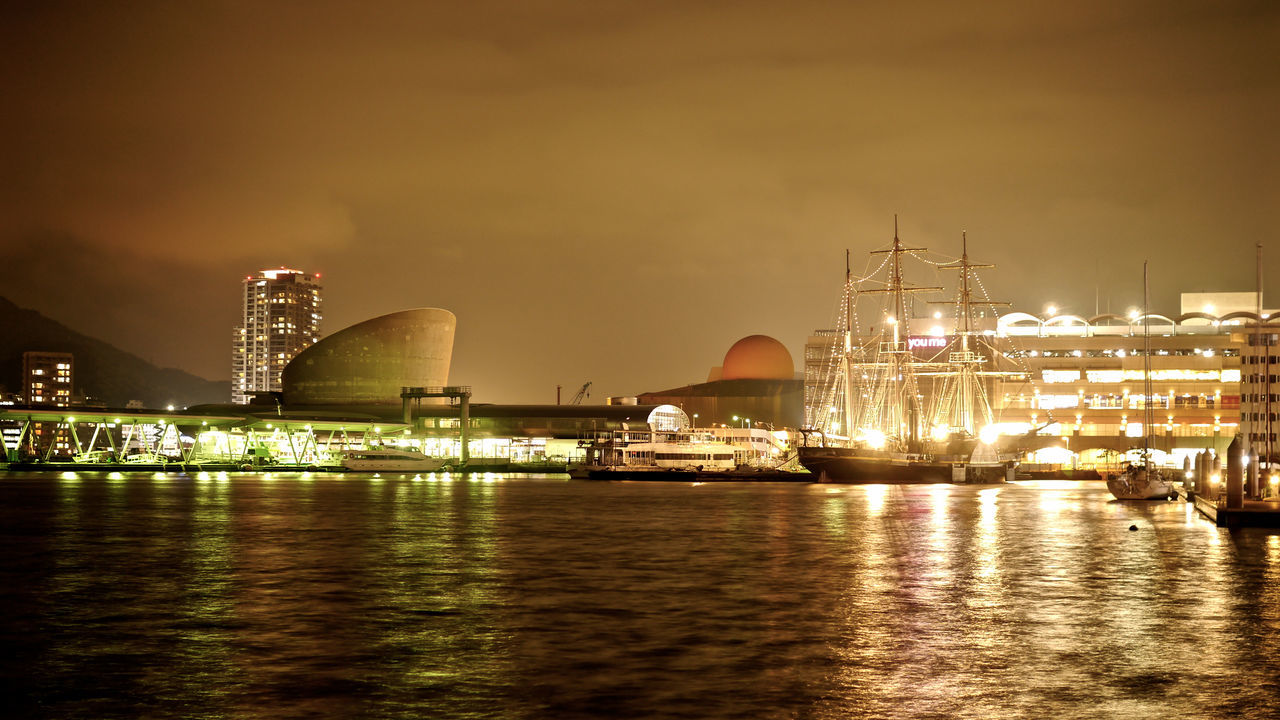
point(102, 371)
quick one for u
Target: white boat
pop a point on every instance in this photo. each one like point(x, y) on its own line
point(390, 460)
point(661, 456)
point(1138, 482)
point(1145, 481)
point(676, 455)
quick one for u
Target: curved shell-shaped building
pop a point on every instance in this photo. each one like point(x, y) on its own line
point(369, 362)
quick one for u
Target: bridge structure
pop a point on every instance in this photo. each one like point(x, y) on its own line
point(55, 437)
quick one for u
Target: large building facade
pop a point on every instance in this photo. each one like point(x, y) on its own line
point(281, 318)
point(1072, 388)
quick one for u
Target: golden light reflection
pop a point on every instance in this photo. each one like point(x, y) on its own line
point(939, 496)
point(69, 476)
point(875, 499)
point(988, 541)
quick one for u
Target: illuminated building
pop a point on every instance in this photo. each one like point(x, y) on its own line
point(369, 362)
point(1260, 386)
point(756, 383)
point(1076, 383)
point(47, 378)
point(281, 318)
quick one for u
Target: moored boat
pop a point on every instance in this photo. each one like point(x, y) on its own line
point(1139, 482)
point(1145, 481)
point(390, 460)
point(876, 399)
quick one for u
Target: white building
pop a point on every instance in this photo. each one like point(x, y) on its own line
point(281, 318)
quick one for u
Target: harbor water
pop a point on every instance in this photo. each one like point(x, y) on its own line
point(492, 596)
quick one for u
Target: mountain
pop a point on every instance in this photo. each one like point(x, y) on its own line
point(102, 371)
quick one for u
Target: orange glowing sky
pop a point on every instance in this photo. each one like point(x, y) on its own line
point(618, 191)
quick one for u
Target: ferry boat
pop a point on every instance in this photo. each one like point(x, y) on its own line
point(390, 460)
point(677, 455)
point(681, 456)
point(890, 436)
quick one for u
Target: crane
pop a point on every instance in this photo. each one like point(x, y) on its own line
point(582, 391)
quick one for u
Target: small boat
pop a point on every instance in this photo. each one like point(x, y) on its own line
point(1138, 482)
point(390, 460)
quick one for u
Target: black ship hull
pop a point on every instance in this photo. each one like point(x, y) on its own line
point(855, 465)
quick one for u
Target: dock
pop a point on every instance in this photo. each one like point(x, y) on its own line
point(1251, 513)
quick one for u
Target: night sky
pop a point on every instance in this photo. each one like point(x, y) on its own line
point(616, 192)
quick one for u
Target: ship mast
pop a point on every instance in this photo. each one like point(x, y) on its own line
point(963, 392)
point(846, 373)
point(896, 393)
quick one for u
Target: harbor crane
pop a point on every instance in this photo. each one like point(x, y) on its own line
point(582, 391)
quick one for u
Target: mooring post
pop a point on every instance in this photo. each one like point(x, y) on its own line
point(1235, 474)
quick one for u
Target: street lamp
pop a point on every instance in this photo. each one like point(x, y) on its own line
point(695, 420)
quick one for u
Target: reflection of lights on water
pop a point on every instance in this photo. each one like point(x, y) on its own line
point(1054, 484)
point(939, 495)
point(159, 476)
point(69, 476)
point(115, 476)
point(875, 499)
point(203, 476)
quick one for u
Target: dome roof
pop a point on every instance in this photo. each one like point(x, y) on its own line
point(758, 357)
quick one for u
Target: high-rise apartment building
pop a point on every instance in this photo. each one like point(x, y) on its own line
point(47, 378)
point(281, 319)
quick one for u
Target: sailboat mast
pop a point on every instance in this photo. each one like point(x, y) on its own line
point(1146, 368)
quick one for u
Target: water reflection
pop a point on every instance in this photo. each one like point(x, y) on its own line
point(474, 595)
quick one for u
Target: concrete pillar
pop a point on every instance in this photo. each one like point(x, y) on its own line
point(464, 427)
point(1235, 473)
point(1198, 483)
point(1186, 473)
point(1252, 488)
point(1215, 469)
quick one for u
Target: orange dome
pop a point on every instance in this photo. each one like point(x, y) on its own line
point(758, 357)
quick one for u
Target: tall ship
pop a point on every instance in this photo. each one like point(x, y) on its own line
point(876, 424)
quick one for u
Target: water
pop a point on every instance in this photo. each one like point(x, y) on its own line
point(283, 596)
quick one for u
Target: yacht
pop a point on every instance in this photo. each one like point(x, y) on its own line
point(390, 460)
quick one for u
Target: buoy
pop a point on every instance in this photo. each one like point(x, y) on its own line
point(1133, 527)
